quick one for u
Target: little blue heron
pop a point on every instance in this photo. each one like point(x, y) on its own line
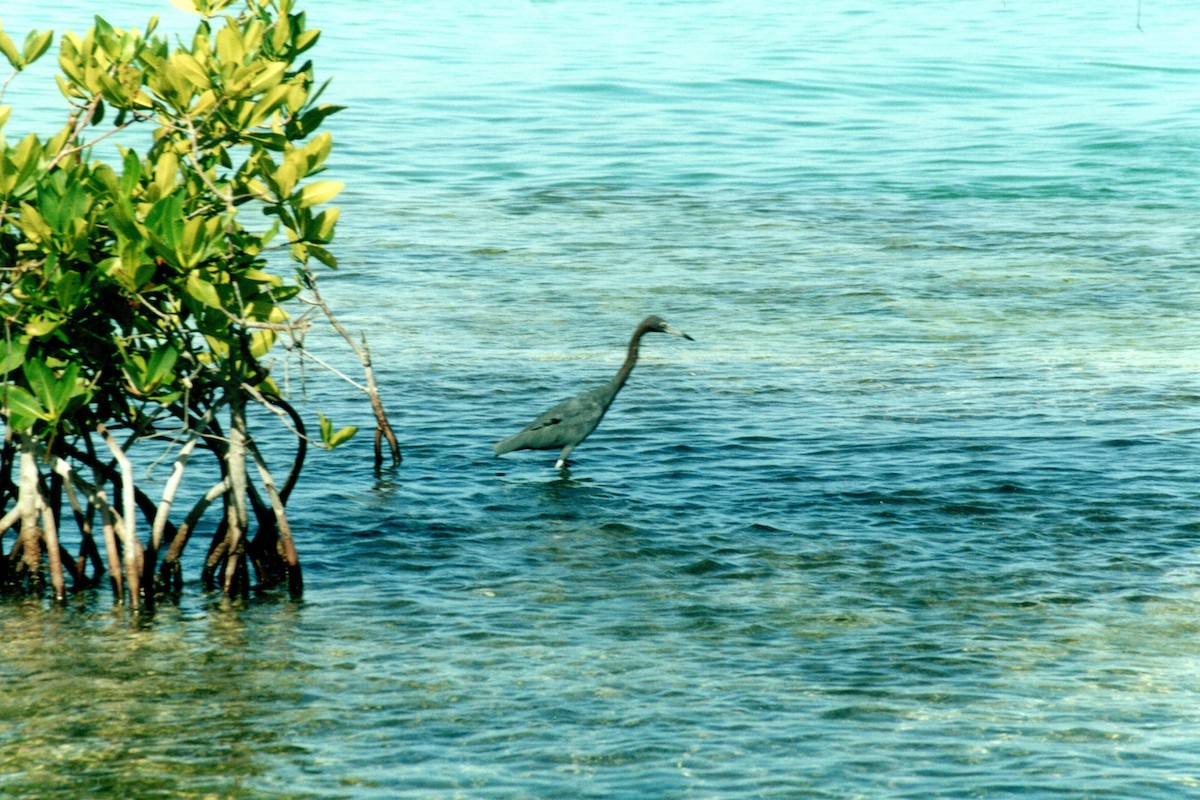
point(573, 420)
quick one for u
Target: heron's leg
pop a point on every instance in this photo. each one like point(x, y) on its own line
point(562, 457)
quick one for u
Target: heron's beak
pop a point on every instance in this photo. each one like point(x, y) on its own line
point(677, 332)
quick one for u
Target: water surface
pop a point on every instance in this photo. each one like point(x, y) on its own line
point(914, 516)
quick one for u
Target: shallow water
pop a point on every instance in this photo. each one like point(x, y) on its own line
point(914, 516)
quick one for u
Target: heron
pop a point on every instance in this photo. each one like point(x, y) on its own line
point(574, 419)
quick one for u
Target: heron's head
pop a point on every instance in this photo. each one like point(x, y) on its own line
point(655, 324)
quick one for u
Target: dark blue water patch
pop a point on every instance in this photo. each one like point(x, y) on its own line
point(969, 510)
point(704, 566)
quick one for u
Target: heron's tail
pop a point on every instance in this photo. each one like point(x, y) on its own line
point(506, 445)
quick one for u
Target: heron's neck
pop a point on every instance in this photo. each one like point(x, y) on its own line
point(630, 360)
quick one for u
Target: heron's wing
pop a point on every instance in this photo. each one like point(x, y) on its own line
point(547, 420)
point(569, 422)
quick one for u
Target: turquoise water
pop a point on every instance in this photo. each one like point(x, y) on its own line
point(915, 516)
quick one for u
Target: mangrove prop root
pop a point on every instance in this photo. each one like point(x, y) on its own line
point(53, 552)
point(252, 548)
point(70, 566)
point(290, 558)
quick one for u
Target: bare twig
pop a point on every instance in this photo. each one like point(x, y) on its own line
point(382, 426)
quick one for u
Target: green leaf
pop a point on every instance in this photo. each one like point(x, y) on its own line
point(253, 115)
point(33, 225)
point(261, 342)
point(191, 244)
point(43, 382)
point(318, 192)
point(269, 76)
point(29, 150)
point(260, 276)
point(36, 45)
point(331, 438)
point(186, 65)
point(165, 171)
point(321, 231)
point(231, 48)
point(10, 51)
point(306, 40)
point(161, 366)
point(41, 326)
point(281, 33)
point(310, 120)
point(203, 291)
point(131, 173)
point(164, 226)
point(65, 388)
point(312, 155)
point(324, 256)
point(147, 376)
point(12, 355)
point(299, 252)
point(22, 409)
point(66, 290)
point(285, 177)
